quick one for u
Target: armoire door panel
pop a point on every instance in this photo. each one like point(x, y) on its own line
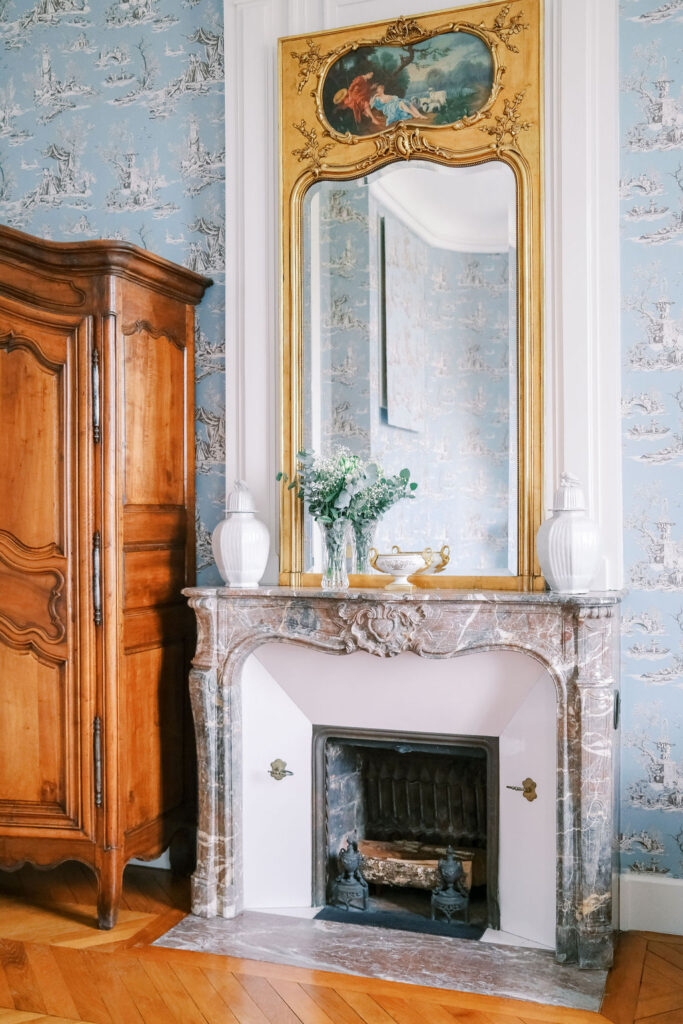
point(32, 600)
point(153, 734)
point(154, 379)
point(153, 577)
point(44, 473)
point(34, 420)
point(39, 740)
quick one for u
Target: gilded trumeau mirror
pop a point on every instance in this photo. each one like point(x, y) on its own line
point(411, 281)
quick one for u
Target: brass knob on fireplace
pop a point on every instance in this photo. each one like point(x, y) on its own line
point(279, 770)
point(527, 789)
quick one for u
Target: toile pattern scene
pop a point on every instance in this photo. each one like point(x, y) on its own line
point(651, 193)
point(112, 126)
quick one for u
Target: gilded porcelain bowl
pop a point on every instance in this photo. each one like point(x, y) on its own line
point(400, 565)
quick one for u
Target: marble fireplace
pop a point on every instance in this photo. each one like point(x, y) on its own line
point(571, 641)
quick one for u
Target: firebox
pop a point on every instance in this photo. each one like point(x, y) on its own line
point(405, 798)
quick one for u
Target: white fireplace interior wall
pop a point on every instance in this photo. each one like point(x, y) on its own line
point(286, 690)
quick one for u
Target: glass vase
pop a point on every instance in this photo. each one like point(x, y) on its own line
point(363, 539)
point(335, 541)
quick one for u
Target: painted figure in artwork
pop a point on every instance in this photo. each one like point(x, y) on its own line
point(435, 81)
point(393, 107)
point(358, 99)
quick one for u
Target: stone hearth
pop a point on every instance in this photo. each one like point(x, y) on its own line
point(574, 638)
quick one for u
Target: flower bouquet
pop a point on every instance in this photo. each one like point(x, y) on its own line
point(342, 491)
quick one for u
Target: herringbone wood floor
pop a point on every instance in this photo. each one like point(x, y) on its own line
point(57, 968)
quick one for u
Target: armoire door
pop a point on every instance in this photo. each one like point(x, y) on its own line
point(46, 533)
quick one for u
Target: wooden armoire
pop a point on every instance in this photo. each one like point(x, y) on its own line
point(96, 543)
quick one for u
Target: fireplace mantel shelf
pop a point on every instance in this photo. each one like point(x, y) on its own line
point(591, 599)
point(575, 637)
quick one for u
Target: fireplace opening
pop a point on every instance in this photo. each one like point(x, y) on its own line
point(404, 801)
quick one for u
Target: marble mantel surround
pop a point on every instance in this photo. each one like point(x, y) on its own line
point(575, 638)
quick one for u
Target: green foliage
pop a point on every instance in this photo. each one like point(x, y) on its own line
point(343, 486)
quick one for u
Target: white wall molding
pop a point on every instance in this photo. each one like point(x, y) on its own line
point(651, 903)
point(582, 359)
point(582, 344)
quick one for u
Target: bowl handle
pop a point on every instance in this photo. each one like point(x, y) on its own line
point(373, 554)
point(445, 556)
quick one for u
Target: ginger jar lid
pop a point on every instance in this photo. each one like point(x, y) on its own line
point(240, 499)
point(569, 496)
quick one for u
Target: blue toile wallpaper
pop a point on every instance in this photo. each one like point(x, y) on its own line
point(651, 192)
point(112, 126)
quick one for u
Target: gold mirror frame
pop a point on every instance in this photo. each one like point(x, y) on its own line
point(507, 128)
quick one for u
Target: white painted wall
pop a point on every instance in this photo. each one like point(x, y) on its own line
point(582, 364)
point(528, 746)
point(277, 815)
point(286, 691)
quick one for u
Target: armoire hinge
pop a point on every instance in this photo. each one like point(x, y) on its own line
point(97, 758)
point(95, 396)
point(96, 584)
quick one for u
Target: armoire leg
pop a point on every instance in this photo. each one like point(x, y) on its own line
point(109, 882)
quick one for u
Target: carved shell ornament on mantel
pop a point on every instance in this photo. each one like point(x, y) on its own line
point(384, 630)
point(404, 139)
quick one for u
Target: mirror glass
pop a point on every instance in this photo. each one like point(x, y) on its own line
point(410, 350)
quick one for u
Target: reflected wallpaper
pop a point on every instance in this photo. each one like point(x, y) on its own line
point(112, 126)
point(651, 192)
point(447, 314)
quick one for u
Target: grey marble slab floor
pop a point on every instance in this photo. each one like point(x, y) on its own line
point(461, 964)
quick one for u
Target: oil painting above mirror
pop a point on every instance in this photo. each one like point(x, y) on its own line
point(410, 338)
point(411, 282)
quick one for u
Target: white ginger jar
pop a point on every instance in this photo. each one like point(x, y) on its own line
point(568, 543)
point(241, 542)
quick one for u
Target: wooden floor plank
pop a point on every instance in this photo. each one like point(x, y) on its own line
point(150, 1005)
point(56, 995)
point(115, 995)
point(623, 981)
point(6, 997)
point(84, 990)
point(236, 997)
point(657, 964)
point(181, 1005)
point(19, 1017)
point(367, 1008)
point(332, 1003)
point(667, 951)
point(204, 995)
point(410, 1011)
point(22, 982)
point(650, 1006)
point(268, 1000)
point(301, 1003)
point(672, 1017)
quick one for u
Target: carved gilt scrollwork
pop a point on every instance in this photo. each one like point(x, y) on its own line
point(401, 140)
point(505, 31)
point(508, 123)
point(312, 151)
point(311, 62)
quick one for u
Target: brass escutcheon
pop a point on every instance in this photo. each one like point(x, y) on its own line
point(527, 789)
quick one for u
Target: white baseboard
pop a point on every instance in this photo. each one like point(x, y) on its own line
point(651, 903)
